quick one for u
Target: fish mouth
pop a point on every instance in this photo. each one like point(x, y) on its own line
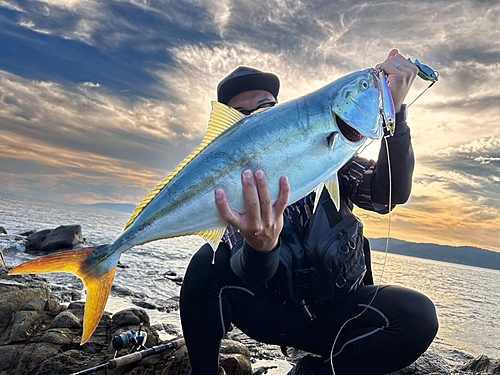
point(348, 131)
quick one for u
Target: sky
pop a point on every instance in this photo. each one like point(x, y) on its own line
point(100, 100)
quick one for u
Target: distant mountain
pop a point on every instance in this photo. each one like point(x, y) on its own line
point(121, 207)
point(470, 256)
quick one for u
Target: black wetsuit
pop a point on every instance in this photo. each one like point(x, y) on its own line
point(245, 287)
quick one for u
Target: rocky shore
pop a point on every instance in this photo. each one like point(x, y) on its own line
point(41, 325)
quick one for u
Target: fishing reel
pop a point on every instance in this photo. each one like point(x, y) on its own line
point(130, 340)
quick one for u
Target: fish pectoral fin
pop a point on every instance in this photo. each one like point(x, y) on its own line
point(331, 140)
point(213, 237)
point(96, 276)
point(332, 185)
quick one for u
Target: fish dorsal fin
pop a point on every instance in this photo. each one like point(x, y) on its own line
point(221, 119)
point(332, 185)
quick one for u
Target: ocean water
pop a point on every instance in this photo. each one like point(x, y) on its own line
point(467, 298)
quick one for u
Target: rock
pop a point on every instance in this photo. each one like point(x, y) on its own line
point(40, 336)
point(66, 319)
point(121, 291)
point(481, 365)
point(51, 240)
point(144, 304)
point(130, 317)
point(235, 358)
point(2, 230)
point(12, 298)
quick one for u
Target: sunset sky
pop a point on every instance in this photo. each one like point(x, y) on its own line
point(99, 101)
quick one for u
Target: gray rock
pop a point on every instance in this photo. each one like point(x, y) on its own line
point(39, 336)
point(35, 304)
point(2, 230)
point(66, 319)
point(130, 317)
point(50, 240)
point(58, 336)
point(480, 365)
point(24, 325)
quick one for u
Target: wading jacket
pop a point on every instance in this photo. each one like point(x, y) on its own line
point(362, 183)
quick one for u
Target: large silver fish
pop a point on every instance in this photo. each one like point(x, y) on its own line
point(307, 140)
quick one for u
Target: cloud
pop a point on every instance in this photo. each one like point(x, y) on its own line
point(99, 100)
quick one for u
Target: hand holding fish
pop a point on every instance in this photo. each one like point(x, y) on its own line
point(262, 222)
point(400, 73)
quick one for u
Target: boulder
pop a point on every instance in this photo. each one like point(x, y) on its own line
point(2, 230)
point(52, 240)
point(481, 365)
point(39, 336)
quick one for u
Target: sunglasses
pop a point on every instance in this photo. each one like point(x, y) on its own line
point(248, 112)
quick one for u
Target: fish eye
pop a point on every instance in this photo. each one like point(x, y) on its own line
point(363, 84)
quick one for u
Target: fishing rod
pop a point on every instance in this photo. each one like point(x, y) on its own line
point(132, 357)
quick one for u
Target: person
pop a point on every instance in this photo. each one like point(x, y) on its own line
point(373, 329)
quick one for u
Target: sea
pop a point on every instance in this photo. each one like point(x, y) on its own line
point(467, 298)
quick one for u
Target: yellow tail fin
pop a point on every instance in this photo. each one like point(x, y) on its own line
point(97, 280)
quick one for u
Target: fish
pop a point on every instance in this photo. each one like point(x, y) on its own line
point(307, 139)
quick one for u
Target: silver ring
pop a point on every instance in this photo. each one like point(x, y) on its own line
point(397, 66)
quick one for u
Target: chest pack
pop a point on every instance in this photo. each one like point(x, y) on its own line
point(330, 261)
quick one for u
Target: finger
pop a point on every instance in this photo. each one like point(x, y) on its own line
point(284, 196)
point(252, 204)
point(224, 209)
point(266, 208)
point(393, 52)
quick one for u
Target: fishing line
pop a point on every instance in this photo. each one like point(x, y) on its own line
point(422, 93)
point(383, 264)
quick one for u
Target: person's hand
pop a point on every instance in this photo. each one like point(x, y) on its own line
point(400, 74)
point(262, 222)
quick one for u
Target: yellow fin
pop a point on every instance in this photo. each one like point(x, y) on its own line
point(318, 191)
point(221, 119)
point(213, 237)
point(332, 185)
point(67, 261)
point(98, 285)
point(98, 289)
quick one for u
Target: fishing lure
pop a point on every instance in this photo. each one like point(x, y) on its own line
point(425, 71)
point(427, 74)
